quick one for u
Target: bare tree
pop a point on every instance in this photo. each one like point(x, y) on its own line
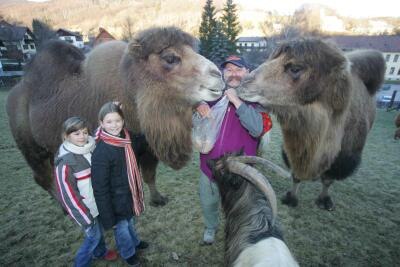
point(128, 29)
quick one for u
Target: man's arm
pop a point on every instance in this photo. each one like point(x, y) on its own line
point(250, 119)
point(248, 116)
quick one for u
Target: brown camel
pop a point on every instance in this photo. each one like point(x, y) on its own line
point(158, 77)
point(397, 123)
point(324, 102)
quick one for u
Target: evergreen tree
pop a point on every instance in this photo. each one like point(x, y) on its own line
point(231, 27)
point(207, 28)
point(219, 44)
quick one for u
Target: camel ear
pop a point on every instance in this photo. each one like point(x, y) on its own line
point(135, 48)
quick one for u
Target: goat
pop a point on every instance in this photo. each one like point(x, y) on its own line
point(252, 237)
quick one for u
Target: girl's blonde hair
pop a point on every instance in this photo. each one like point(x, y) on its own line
point(110, 107)
point(73, 124)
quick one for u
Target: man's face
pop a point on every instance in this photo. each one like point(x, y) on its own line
point(233, 74)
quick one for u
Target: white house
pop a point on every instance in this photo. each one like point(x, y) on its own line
point(16, 43)
point(251, 43)
point(389, 45)
point(74, 38)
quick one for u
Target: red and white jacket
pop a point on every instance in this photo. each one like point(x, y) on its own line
point(74, 184)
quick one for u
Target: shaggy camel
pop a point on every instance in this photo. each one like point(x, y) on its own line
point(158, 77)
point(324, 102)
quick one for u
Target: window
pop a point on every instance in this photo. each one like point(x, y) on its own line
point(387, 58)
point(398, 73)
point(32, 46)
point(26, 46)
point(396, 57)
point(391, 70)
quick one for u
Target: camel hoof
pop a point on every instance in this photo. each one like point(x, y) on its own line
point(290, 200)
point(325, 203)
point(159, 202)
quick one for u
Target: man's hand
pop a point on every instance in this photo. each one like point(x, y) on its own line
point(233, 98)
point(204, 110)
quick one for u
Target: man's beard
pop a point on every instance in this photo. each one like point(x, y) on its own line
point(233, 78)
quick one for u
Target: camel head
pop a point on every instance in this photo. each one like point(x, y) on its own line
point(165, 60)
point(166, 79)
point(296, 74)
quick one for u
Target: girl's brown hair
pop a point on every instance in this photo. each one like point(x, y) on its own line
point(73, 124)
point(110, 107)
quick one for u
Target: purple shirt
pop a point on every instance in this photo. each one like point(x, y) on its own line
point(231, 138)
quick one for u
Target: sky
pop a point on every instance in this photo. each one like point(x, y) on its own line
point(350, 8)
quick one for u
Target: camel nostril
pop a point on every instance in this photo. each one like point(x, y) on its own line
point(215, 73)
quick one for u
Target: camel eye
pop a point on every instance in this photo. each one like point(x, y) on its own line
point(294, 71)
point(171, 59)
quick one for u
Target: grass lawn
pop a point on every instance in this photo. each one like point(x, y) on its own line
point(364, 230)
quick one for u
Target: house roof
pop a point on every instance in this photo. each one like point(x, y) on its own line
point(12, 33)
point(383, 43)
point(250, 39)
point(4, 23)
point(64, 32)
point(103, 36)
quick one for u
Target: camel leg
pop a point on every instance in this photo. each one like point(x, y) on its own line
point(397, 134)
point(148, 165)
point(41, 162)
point(290, 198)
point(38, 158)
point(324, 201)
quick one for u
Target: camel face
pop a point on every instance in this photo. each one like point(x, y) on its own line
point(185, 74)
point(272, 84)
point(198, 78)
point(295, 74)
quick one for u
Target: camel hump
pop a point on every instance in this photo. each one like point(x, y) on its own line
point(57, 55)
point(56, 61)
point(370, 66)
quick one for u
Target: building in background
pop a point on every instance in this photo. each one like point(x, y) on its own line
point(75, 38)
point(102, 37)
point(389, 45)
point(16, 43)
point(251, 43)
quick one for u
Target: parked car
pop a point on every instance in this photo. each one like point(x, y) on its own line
point(383, 101)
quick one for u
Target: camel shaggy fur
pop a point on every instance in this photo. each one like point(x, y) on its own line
point(397, 123)
point(158, 77)
point(324, 101)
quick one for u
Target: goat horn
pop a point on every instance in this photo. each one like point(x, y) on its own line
point(266, 163)
point(255, 177)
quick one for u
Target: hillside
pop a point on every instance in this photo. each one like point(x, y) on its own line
point(88, 15)
point(116, 16)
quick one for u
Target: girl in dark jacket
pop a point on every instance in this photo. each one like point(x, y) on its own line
point(117, 183)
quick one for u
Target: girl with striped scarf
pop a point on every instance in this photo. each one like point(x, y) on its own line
point(117, 183)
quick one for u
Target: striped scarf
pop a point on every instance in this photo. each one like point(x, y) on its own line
point(134, 177)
